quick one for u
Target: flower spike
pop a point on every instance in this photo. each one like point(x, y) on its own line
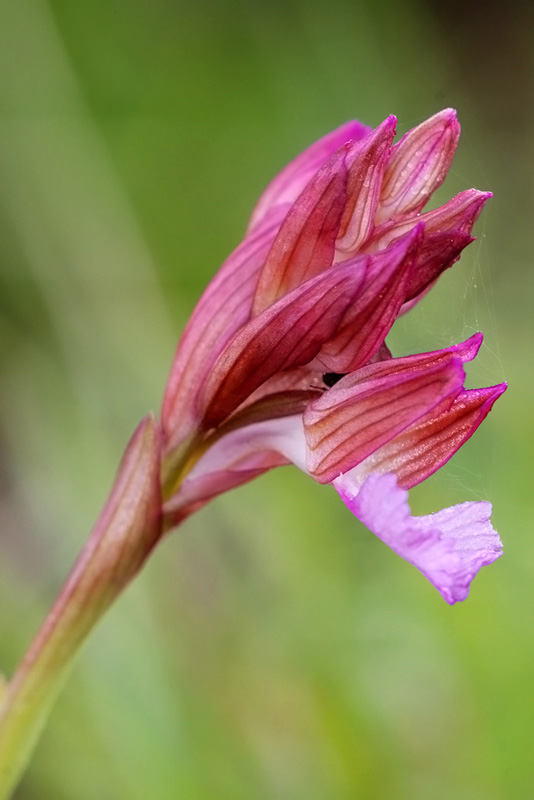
point(285, 358)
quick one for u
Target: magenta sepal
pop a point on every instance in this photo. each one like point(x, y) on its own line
point(423, 448)
point(331, 218)
point(418, 165)
point(359, 415)
point(223, 308)
point(304, 245)
point(446, 232)
point(368, 320)
point(288, 334)
point(366, 162)
point(459, 214)
point(290, 182)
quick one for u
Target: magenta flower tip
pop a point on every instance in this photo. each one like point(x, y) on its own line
point(446, 119)
point(497, 390)
point(389, 124)
point(449, 113)
point(469, 349)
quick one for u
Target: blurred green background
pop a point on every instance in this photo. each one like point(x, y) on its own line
point(272, 648)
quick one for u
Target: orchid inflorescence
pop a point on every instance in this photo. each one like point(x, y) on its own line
point(284, 361)
point(284, 358)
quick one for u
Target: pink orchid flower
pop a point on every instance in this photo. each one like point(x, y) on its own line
point(284, 359)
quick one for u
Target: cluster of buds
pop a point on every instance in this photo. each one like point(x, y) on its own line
point(284, 358)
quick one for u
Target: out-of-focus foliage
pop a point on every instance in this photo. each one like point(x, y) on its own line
point(272, 648)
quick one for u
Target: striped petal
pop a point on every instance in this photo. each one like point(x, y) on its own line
point(368, 320)
point(223, 308)
point(366, 163)
point(304, 246)
point(447, 231)
point(418, 165)
point(361, 414)
point(290, 182)
point(286, 335)
point(425, 447)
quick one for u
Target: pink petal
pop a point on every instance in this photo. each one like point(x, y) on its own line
point(304, 246)
point(339, 203)
point(418, 165)
point(448, 547)
point(236, 457)
point(382, 354)
point(367, 321)
point(223, 308)
point(465, 351)
point(298, 379)
point(358, 416)
point(290, 182)
point(197, 491)
point(438, 252)
point(288, 334)
point(447, 231)
point(459, 214)
point(423, 448)
point(366, 162)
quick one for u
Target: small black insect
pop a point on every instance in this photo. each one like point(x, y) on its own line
point(331, 378)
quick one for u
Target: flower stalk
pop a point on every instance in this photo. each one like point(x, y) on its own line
point(124, 535)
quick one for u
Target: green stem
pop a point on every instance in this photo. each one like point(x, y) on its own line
point(29, 696)
point(128, 528)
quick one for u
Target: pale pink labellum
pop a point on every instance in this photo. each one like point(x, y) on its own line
point(448, 547)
